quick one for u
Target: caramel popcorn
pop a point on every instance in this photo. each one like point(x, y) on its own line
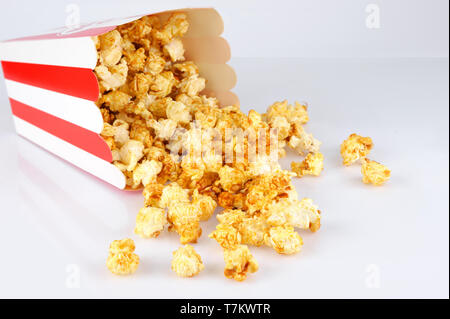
point(170, 139)
point(178, 112)
point(238, 262)
point(226, 235)
point(175, 50)
point(176, 26)
point(374, 172)
point(205, 204)
point(253, 230)
point(150, 222)
point(121, 259)
point(110, 48)
point(130, 154)
point(186, 262)
point(231, 179)
point(173, 194)
point(311, 165)
point(146, 172)
point(113, 77)
point(185, 218)
point(293, 114)
point(355, 147)
point(301, 214)
point(303, 142)
point(284, 239)
point(232, 217)
point(152, 194)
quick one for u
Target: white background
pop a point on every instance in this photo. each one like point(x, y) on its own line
point(267, 28)
point(56, 222)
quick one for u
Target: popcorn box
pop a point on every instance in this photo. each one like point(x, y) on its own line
point(52, 87)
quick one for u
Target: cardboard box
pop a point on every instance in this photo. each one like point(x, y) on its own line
point(52, 87)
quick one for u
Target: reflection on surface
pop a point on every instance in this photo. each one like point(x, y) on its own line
point(67, 213)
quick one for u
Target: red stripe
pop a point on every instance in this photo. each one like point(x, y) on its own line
point(79, 82)
point(69, 132)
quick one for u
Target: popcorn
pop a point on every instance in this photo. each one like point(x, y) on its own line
point(176, 26)
point(120, 132)
point(141, 133)
point(294, 114)
point(226, 235)
point(311, 165)
point(112, 77)
point(303, 142)
point(205, 204)
point(374, 172)
point(186, 69)
point(162, 84)
point(164, 129)
point(253, 230)
point(230, 200)
point(152, 194)
point(140, 84)
point(231, 179)
point(192, 85)
point(146, 172)
point(130, 153)
point(170, 139)
point(175, 50)
point(355, 147)
point(121, 259)
point(282, 124)
point(138, 30)
point(301, 214)
point(231, 217)
point(284, 239)
point(238, 262)
point(150, 222)
point(186, 262)
point(178, 112)
point(154, 64)
point(136, 60)
point(173, 194)
point(110, 48)
point(185, 219)
point(116, 100)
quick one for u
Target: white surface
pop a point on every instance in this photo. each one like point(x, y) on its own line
point(54, 216)
point(285, 28)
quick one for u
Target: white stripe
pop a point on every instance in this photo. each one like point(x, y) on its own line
point(78, 111)
point(74, 52)
point(78, 157)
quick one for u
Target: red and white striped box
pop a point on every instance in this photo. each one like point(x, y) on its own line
point(52, 87)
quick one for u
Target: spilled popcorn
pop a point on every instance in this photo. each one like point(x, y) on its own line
point(374, 172)
point(311, 165)
point(238, 262)
point(186, 262)
point(121, 259)
point(190, 155)
point(355, 148)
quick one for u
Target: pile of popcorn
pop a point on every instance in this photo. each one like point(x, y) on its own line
point(174, 142)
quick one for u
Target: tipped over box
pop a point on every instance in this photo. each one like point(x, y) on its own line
point(52, 87)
